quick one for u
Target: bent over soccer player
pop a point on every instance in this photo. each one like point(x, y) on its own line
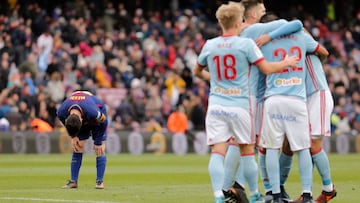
point(85, 115)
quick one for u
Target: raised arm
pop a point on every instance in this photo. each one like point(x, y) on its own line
point(285, 29)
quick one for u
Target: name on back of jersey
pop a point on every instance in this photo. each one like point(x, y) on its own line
point(77, 98)
point(224, 45)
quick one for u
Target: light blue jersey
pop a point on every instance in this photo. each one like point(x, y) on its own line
point(274, 29)
point(291, 81)
point(315, 75)
point(228, 59)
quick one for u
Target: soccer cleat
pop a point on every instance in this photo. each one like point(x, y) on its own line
point(284, 195)
point(270, 197)
point(70, 185)
point(239, 193)
point(299, 200)
point(304, 198)
point(99, 184)
point(279, 200)
point(220, 199)
point(259, 198)
point(325, 197)
point(230, 197)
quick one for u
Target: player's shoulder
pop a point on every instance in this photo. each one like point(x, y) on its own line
point(211, 40)
point(245, 41)
point(225, 41)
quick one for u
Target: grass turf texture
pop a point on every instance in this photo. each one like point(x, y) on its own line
point(144, 178)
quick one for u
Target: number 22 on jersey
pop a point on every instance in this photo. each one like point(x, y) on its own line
point(280, 52)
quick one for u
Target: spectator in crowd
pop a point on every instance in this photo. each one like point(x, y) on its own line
point(152, 125)
point(178, 121)
point(173, 85)
point(198, 112)
point(4, 124)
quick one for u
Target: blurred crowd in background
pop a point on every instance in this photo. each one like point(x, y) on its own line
point(48, 50)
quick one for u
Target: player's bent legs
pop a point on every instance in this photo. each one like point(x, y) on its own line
point(76, 161)
point(75, 165)
point(100, 168)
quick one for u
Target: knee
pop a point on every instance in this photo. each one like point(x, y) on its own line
point(316, 146)
point(247, 149)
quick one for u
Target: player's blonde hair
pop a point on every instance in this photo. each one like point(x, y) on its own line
point(228, 14)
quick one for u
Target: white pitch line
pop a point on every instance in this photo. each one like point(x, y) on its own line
point(51, 200)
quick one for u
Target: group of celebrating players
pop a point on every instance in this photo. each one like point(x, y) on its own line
point(268, 91)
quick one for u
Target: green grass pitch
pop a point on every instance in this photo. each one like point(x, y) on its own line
point(143, 178)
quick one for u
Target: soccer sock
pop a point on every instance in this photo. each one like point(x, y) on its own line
point(216, 172)
point(321, 162)
point(231, 164)
point(285, 162)
point(75, 165)
point(273, 169)
point(250, 172)
point(263, 172)
point(306, 170)
point(100, 167)
point(240, 177)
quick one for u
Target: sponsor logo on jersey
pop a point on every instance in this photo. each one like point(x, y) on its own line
point(281, 82)
point(231, 91)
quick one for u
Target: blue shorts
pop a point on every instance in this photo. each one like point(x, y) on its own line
point(93, 130)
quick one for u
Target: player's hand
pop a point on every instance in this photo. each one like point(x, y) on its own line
point(98, 150)
point(291, 60)
point(262, 40)
point(75, 143)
